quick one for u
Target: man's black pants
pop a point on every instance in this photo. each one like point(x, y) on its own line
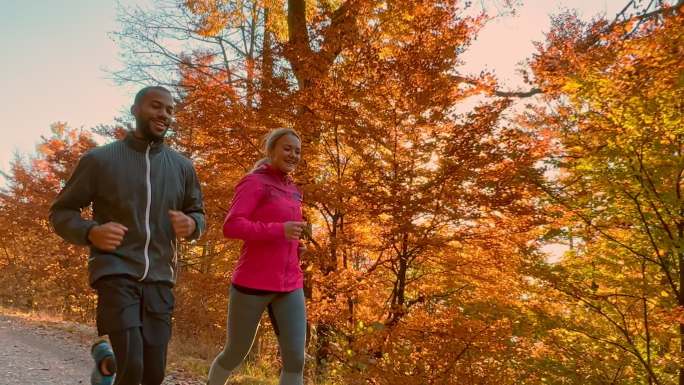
point(137, 318)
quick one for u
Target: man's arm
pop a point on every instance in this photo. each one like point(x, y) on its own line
point(65, 212)
point(193, 205)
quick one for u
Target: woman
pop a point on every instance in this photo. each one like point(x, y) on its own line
point(266, 214)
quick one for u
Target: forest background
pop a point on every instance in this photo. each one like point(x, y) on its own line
point(435, 195)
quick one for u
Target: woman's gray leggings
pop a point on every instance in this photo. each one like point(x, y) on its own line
point(244, 314)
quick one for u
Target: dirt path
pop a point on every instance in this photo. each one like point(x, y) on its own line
point(35, 355)
point(50, 353)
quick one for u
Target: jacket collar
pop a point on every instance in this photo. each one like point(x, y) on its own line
point(267, 169)
point(141, 145)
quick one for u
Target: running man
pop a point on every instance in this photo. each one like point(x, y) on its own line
point(145, 196)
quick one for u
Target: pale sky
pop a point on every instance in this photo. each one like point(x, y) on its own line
point(54, 54)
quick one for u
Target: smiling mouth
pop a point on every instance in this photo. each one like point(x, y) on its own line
point(158, 125)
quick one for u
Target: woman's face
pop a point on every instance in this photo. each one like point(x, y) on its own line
point(286, 153)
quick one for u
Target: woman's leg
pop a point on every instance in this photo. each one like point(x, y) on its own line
point(244, 314)
point(290, 314)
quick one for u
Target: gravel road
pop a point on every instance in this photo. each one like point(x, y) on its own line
point(50, 353)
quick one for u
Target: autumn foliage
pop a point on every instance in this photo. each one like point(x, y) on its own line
point(431, 193)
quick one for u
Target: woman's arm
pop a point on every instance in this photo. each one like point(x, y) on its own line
point(238, 224)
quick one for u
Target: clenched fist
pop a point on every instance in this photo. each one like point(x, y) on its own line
point(182, 224)
point(107, 237)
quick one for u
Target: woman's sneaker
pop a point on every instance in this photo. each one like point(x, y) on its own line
point(100, 351)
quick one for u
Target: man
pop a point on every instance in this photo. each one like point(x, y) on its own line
point(144, 196)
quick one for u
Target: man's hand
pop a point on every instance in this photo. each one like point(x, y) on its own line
point(107, 237)
point(182, 224)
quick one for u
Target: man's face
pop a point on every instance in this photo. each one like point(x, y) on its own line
point(153, 114)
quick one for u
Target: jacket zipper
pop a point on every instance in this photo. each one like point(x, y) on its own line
point(147, 213)
point(289, 254)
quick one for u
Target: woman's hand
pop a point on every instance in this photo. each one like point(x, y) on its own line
point(301, 249)
point(293, 230)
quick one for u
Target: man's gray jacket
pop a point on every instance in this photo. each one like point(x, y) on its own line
point(135, 183)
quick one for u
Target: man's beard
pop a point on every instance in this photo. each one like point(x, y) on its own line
point(146, 131)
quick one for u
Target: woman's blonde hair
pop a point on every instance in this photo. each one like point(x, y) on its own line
point(270, 142)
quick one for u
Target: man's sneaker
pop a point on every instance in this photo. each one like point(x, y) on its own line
point(100, 351)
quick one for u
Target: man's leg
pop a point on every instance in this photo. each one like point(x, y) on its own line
point(154, 364)
point(118, 316)
point(128, 352)
point(158, 303)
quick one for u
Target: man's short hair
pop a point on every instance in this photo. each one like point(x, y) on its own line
point(145, 90)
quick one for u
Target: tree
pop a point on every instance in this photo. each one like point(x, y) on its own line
point(403, 190)
point(36, 266)
point(617, 114)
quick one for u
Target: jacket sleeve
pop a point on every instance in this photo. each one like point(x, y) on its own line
point(238, 223)
point(78, 192)
point(192, 203)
